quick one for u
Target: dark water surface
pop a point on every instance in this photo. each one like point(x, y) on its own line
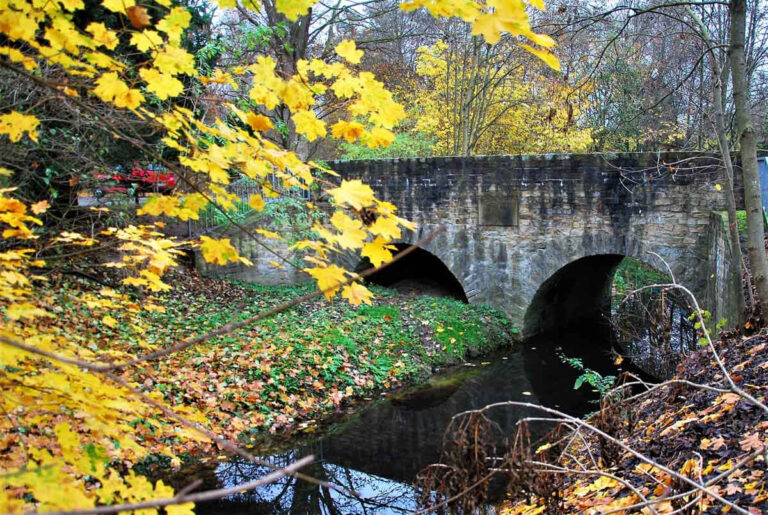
point(379, 450)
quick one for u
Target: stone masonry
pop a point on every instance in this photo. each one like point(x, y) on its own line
point(510, 223)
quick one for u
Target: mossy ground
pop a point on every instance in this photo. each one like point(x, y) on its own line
point(303, 364)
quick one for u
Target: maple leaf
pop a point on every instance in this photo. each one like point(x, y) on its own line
point(256, 202)
point(220, 251)
point(102, 35)
point(378, 251)
point(545, 55)
point(174, 61)
point(387, 227)
point(379, 137)
point(354, 193)
point(292, 9)
point(40, 207)
point(328, 278)
point(110, 321)
point(159, 205)
point(352, 234)
point(15, 124)
point(348, 50)
point(108, 86)
point(259, 122)
point(357, 294)
point(138, 16)
point(350, 131)
point(163, 85)
point(118, 6)
point(146, 39)
point(751, 442)
point(714, 444)
point(307, 124)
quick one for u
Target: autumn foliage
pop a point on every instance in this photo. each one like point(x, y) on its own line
point(118, 70)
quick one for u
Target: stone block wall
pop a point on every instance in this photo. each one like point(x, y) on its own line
point(509, 223)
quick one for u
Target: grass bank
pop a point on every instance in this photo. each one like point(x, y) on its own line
point(301, 365)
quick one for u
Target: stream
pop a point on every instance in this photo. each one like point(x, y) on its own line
point(378, 449)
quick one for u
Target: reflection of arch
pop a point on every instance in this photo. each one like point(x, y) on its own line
point(419, 270)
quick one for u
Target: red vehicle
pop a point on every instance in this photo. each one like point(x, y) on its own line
point(152, 178)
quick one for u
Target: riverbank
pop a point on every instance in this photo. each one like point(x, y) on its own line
point(290, 370)
point(679, 434)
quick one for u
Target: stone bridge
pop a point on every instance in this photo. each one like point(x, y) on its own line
point(540, 236)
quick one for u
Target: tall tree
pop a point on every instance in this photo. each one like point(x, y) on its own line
point(748, 141)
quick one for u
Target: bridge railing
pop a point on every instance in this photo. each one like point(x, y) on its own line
point(212, 219)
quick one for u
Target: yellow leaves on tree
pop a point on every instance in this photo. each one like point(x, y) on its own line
point(292, 9)
point(89, 61)
point(350, 131)
point(353, 193)
point(307, 124)
point(110, 88)
point(357, 294)
point(378, 251)
point(220, 251)
point(329, 278)
point(348, 50)
point(164, 85)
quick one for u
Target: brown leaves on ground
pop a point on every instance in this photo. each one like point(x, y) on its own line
point(715, 439)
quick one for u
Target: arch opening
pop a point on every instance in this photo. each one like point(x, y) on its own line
point(578, 293)
point(418, 273)
point(586, 312)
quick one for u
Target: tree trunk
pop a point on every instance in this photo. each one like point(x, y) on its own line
point(748, 142)
point(737, 259)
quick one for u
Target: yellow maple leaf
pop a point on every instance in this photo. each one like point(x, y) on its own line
point(268, 234)
point(386, 226)
point(352, 234)
point(118, 6)
point(348, 50)
point(15, 124)
point(174, 24)
point(357, 294)
point(545, 55)
point(108, 86)
point(256, 202)
point(378, 251)
point(131, 98)
point(146, 39)
point(379, 137)
point(159, 205)
point(21, 310)
point(350, 131)
point(353, 193)
point(40, 207)
point(173, 60)
point(292, 9)
point(102, 35)
point(220, 251)
point(259, 122)
point(307, 124)
point(329, 278)
point(163, 85)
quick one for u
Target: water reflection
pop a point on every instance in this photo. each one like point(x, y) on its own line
point(379, 451)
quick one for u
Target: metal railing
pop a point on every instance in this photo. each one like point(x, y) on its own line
point(211, 219)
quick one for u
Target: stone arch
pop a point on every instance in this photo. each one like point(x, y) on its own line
point(418, 270)
point(571, 280)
